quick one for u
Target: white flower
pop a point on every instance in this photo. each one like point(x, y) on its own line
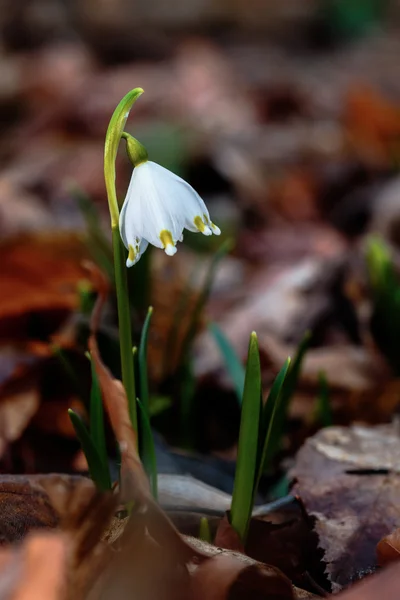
point(157, 207)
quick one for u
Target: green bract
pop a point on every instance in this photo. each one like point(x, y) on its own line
point(113, 137)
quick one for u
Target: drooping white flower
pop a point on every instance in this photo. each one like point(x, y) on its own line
point(158, 206)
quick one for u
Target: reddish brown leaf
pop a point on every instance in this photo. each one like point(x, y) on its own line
point(388, 549)
point(373, 124)
point(38, 276)
point(229, 576)
point(227, 537)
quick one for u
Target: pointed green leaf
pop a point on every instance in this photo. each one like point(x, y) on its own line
point(142, 357)
point(323, 407)
point(269, 413)
point(97, 470)
point(204, 530)
point(97, 433)
point(232, 361)
point(287, 394)
point(242, 497)
point(148, 457)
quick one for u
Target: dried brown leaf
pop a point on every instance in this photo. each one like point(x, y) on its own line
point(227, 537)
point(388, 549)
point(38, 276)
point(348, 479)
point(227, 576)
point(135, 486)
point(24, 505)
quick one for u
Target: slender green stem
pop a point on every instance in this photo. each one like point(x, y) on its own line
point(124, 324)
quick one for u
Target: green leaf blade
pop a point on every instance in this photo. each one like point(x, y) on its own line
point(148, 451)
point(242, 497)
point(97, 472)
point(97, 432)
point(232, 361)
point(287, 392)
point(142, 359)
point(268, 421)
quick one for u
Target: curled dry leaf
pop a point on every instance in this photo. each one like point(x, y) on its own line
point(71, 503)
point(349, 481)
point(227, 537)
point(226, 576)
point(388, 549)
point(285, 539)
point(135, 486)
point(231, 566)
point(84, 514)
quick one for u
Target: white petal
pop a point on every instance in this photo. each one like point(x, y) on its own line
point(158, 206)
point(170, 250)
point(142, 248)
point(123, 227)
point(152, 209)
point(186, 200)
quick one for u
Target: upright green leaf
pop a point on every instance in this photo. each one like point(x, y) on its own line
point(204, 530)
point(97, 433)
point(242, 497)
point(146, 446)
point(98, 473)
point(148, 456)
point(268, 422)
point(232, 361)
point(142, 357)
point(385, 287)
point(289, 387)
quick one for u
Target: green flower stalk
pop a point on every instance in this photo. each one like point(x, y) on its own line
point(158, 206)
point(113, 137)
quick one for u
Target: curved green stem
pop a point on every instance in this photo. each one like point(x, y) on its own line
point(113, 137)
